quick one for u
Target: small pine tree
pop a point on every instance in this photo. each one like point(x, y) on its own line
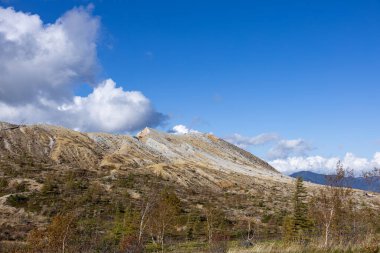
point(300, 205)
point(301, 223)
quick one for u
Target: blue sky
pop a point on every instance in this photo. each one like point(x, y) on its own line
point(304, 70)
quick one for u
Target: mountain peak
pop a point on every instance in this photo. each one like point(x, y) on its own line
point(146, 131)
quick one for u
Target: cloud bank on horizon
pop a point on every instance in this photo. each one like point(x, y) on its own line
point(41, 64)
point(325, 165)
point(289, 156)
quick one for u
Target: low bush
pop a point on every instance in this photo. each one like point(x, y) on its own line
point(17, 200)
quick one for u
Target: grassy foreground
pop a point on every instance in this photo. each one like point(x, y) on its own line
point(370, 246)
point(277, 247)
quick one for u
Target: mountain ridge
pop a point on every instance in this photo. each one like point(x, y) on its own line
point(47, 171)
point(37, 162)
point(361, 183)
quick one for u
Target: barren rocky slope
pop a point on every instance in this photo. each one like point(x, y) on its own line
point(47, 170)
point(188, 159)
point(32, 155)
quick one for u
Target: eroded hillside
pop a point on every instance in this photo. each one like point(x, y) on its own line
point(48, 170)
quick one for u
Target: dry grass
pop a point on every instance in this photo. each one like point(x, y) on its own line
point(279, 247)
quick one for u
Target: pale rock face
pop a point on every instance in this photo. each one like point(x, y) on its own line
point(192, 160)
point(149, 147)
point(143, 133)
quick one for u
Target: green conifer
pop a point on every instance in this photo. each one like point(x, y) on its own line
point(299, 219)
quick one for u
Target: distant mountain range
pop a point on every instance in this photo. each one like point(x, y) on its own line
point(367, 184)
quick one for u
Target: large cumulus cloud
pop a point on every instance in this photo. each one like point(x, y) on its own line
point(111, 109)
point(45, 60)
point(41, 65)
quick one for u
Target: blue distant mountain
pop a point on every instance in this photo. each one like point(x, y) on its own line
point(367, 184)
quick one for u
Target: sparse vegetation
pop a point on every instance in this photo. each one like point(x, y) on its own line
point(17, 200)
point(77, 204)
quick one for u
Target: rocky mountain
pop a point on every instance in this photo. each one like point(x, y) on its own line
point(149, 149)
point(39, 164)
point(47, 170)
point(367, 184)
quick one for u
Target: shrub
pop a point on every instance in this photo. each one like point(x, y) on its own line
point(3, 183)
point(59, 235)
point(126, 182)
point(49, 186)
point(266, 218)
point(21, 187)
point(129, 244)
point(17, 200)
point(219, 243)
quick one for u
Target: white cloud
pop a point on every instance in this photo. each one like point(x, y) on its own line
point(107, 108)
point(285, 148)
point(244, 141)
point(324, 165)
point(181, 129)
point(41, 64)
point(45, 60)
point(111, 109)
point(376, 159)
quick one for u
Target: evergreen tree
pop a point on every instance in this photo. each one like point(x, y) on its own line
point(300, 206)
point(300, 221)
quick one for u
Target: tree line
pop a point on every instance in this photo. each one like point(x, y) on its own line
point(333, 214)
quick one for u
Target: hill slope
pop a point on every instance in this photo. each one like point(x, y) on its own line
point(46, 171)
